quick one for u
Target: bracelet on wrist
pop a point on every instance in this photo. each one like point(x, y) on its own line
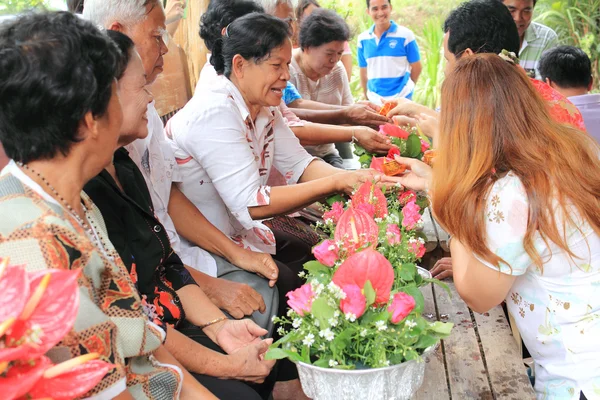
point(354, 139)
point(214, 321)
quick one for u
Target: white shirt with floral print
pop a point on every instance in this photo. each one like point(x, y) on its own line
point(557, 310)
point(225, 159)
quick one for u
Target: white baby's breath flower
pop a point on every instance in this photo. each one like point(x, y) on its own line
point(333, 322)
point(386, 363)
point(308, 340)
point(378, 220)
point(301, 274)
point(349, 202)
point(381, 325)
point(410, 324)
point(274, 318)
point(297, 322)
point(333, 363)
point(336, 314)
point(281, 331)
point(316, 323)
point(290, 312)
point(322, 347)
point(363, 333)
point(327, 334)
point(331, 247)
point(350, 317)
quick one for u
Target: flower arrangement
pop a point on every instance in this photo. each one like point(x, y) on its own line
point(408, 142)
point(36, 310)
point(361, 306)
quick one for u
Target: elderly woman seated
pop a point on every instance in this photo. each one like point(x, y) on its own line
point(199, 335)
point(62, 71)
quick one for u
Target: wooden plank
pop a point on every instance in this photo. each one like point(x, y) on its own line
point(504, 362)
point(434, 385)
point(467, 375)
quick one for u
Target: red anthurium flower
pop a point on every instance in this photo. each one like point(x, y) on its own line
point(394, 151)
point(377, 164)
point(367, 265)
point(356, 229)
point(72, 383)
point(14, 290)
point(368, 193)
point(393, 130)
point(20, 378)
point(49, 313)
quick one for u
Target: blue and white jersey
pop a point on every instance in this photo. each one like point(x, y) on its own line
point(388, 60)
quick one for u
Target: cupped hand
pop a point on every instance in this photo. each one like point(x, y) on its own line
point(238, 299)
point(442, 268)
point(249, 362)
point(429, 125)
point(363, 115)
point(372, 106)
point(261, 264)
point(372, 141)
point(232, 335)
point(418, 175)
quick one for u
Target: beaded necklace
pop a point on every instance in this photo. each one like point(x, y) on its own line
point(90, 229)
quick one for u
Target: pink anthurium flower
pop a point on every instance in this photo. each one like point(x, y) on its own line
point(355, 302)
point(368, 193)
point(355, 230)
point(21, 377)
point(326, 253)
point(401, 306)
point(393, 130)
point(367, 265)
point(377, 164)
point(14, 290)
point(300, 300)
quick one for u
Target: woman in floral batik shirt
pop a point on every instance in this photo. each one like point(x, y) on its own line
point(520, 193)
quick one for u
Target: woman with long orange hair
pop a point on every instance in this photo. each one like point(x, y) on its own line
point(520, 194)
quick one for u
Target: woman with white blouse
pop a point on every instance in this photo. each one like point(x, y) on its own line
point(230, 134)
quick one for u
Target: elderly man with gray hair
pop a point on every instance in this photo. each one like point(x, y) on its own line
point(144, 22)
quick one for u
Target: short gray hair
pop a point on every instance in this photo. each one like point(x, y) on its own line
point(271, 5)
point(125, 12)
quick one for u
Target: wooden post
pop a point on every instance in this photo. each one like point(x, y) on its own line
point(188, 38)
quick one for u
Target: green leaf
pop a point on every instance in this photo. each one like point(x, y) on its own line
point(341, 341)
point(359, 150)
point(315, 267)
point(408, 272)
point(373, 316)
point(365, 159)
point(323, 363)
point(440, 284)
point(322, 311)
point(278, 354)
point(413, 146)
point(417, 295)
point(370, 293)
point(426, 341)
point(441, 328)
point(333, 199)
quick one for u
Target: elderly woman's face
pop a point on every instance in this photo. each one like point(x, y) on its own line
point(134, 98)
point(322, 59)
point(264, 82)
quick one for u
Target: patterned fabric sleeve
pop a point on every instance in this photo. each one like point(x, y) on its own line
point(177, 275)
point(506, 223)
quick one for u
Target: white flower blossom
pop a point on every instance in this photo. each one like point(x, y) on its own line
point(350, 317)
point(333, 363)
point(336, 314)
point(290, 312)
point(308, 340)
point(327, 334)
point(317, 323)
point(333, 322)
point(363, 333)
point(381, 325)
point(322, 347)
point(281, 331)
point(301, 274)
point(386, 363)
point(337, 291)
point(410, 324)
point(378, 220)
point(274, 318)
point(331, 247)
point(297, 322)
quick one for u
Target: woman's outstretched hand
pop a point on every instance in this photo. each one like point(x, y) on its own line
point(418, 175)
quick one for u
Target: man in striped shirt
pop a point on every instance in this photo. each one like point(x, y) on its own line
point(388, 56)
point(535, 38)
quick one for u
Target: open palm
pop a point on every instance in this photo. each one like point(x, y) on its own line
point(236, 334)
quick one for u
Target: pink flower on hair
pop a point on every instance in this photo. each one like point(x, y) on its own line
point(410, 215)
point(326, 252)
point(300, 300)
point(417, 248)
point(367, 208)
point(401, 306)
point(337, 209)
point(393, 234)
point(355, 301)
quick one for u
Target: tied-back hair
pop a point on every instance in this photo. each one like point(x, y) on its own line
point(252, 36)
point(493, 121)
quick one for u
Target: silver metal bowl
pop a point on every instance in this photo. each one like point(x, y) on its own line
point(397, 382)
